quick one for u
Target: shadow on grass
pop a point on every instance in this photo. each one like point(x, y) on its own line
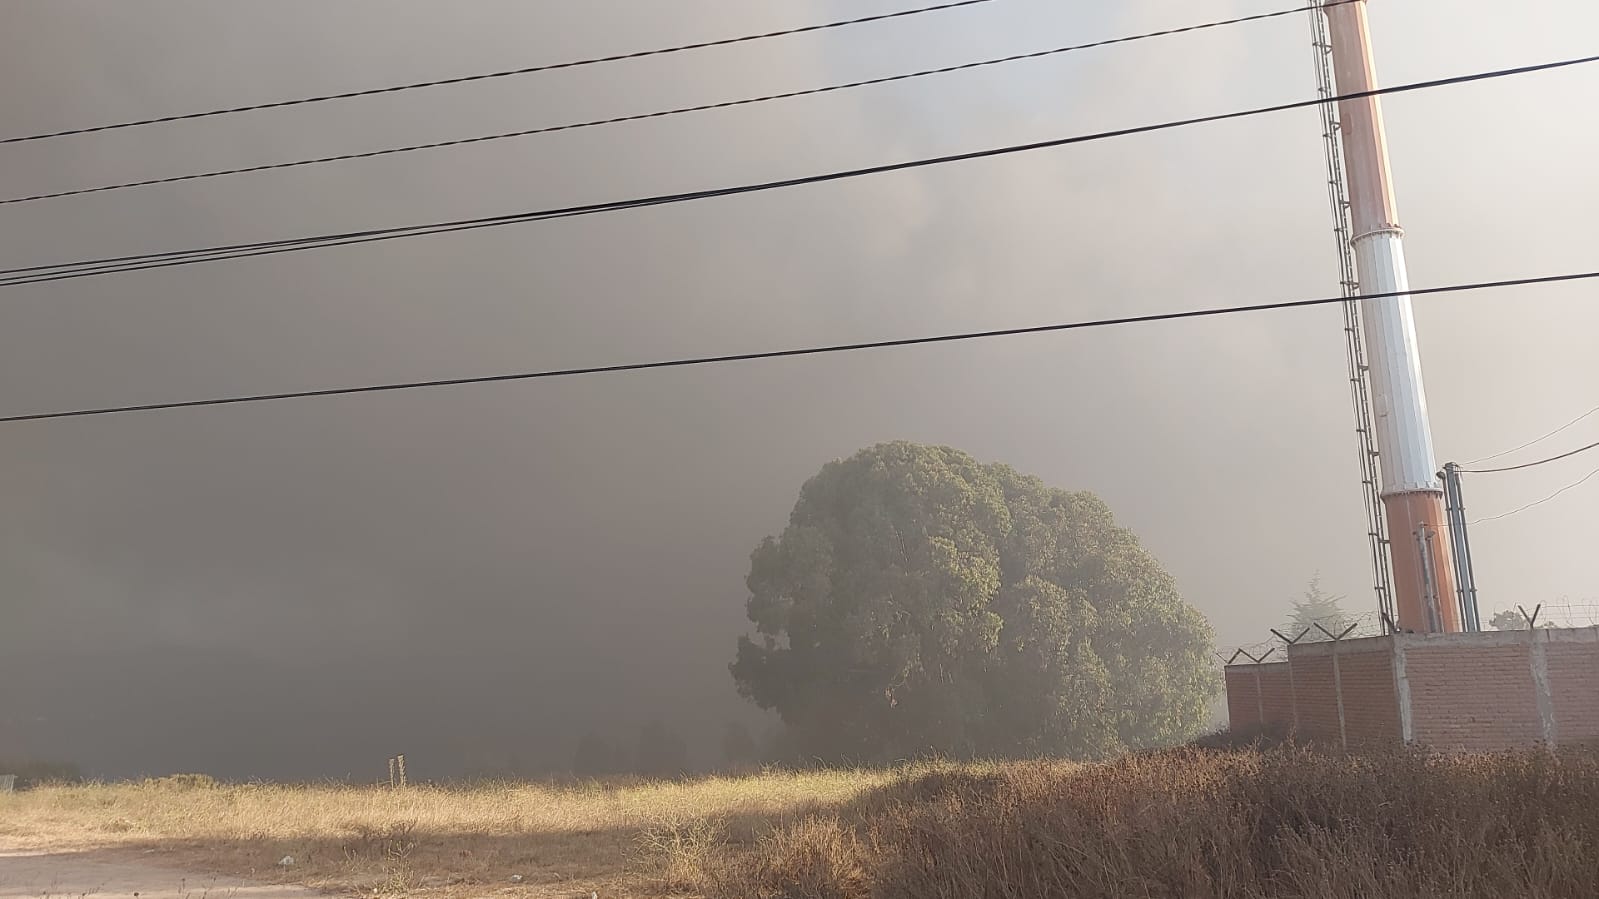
point(402, 859)
point(111, 874)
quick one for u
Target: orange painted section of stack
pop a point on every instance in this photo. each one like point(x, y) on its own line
point(1408, 514)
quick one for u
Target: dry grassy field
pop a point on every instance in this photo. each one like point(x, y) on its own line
point(1286, 824)
point(621, 839)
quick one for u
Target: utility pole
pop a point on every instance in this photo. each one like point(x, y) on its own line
point(1460, 547)
point(1412, 498)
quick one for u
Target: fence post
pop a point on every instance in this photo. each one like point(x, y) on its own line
point(1293, 690)
point(1538, 662)
point(1226, 687)
point(400, 763)
point(1407, 721)
point(1338, 681)
point(394, 779)
point(1260, 701)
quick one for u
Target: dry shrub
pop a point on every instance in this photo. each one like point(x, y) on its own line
point(678, 854)
point(392, 848)
point(1286, 823)
point(818, 857)
point(1257, 736)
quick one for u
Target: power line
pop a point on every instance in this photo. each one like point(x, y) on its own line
point(484, 76)
point(112, 265)
point(681, 110)
point(1580, 449)
point(788, 353)
point(1585, 478)
point(1535, 440)
point(87, 267)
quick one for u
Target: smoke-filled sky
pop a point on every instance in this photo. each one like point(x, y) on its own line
point(476, 576)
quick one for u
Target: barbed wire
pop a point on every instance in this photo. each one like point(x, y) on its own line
point(1351, 626)
point(1577, 613)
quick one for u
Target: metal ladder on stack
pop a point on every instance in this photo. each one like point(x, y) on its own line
point(1359, 378)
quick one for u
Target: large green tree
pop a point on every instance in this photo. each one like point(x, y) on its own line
point(919, 601)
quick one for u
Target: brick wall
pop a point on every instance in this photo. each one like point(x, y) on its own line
point(1486, 691)
point(1276, 695)
point(1504, 689)
point(1371, 707)
point(1302, 693)
point(1574, 685)
point(1255, 690)
point(1472, 694)
point(1365, 679)
point(1242, 710)
point(1317, 695)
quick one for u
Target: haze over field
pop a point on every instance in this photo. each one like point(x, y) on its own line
point(479, 576)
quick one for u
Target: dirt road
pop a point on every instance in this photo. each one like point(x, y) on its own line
point(70, 875)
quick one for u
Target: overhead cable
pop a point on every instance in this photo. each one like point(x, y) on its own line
point(638, 117)
point(1578, 483)
point(782, 354)
point(1533, 441)
point(505, 73)
point(1580, 449)
point(113, 265)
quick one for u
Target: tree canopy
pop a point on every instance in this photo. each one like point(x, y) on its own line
point(920, 601)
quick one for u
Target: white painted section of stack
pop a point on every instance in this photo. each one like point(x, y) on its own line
point(1412, 497)
point(1404, 437)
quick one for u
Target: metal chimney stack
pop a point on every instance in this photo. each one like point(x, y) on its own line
point(1413, 499)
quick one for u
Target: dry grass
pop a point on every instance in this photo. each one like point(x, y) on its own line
point(562, 840)
point(1285, 823)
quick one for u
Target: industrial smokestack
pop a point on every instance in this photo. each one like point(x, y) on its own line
point(1413, 499)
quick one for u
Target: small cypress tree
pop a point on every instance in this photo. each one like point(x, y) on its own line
point(1317, 606)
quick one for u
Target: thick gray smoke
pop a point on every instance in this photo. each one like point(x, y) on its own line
point(477, 576)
